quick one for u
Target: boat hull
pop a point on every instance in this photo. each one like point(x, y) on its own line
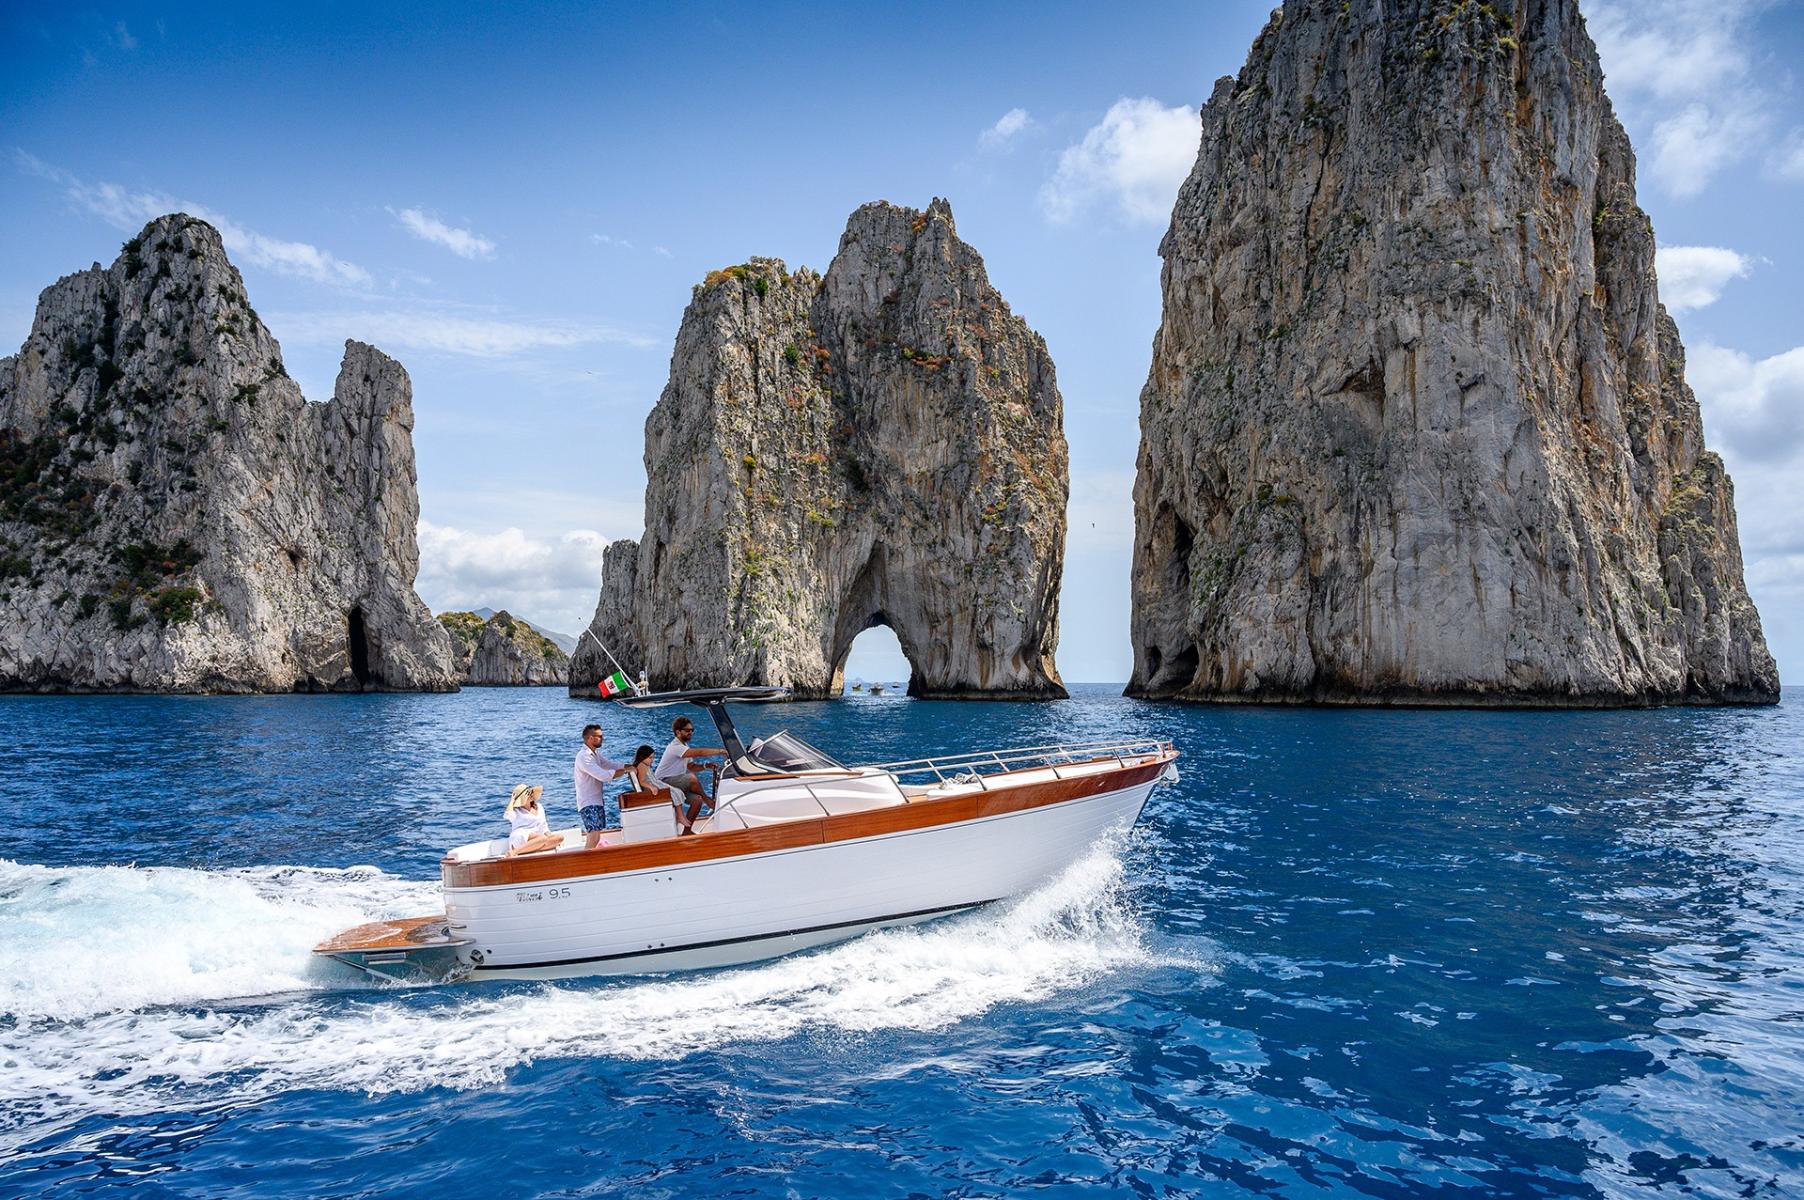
point(748, 907)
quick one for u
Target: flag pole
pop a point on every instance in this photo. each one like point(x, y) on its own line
point(612, 659)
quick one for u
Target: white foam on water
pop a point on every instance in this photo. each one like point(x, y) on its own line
point(77, 941)
point(121, 1059)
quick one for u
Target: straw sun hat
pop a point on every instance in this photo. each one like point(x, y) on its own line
point(522, 793)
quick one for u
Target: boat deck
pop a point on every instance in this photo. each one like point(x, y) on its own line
point(767, 812)
point(401, 949)
point(401, 933)
point(751, 802)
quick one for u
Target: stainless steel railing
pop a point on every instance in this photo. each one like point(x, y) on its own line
point(973, 767)
point(1026, 757)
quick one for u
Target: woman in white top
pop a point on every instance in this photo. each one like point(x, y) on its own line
point(526, 817)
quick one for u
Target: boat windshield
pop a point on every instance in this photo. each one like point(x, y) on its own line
point(785, 752)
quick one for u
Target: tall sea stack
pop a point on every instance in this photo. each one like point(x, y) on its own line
point(1417, 428)
point(175, 516)
point(881, 445)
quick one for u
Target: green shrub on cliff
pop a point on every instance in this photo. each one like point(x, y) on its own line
point(465, 628)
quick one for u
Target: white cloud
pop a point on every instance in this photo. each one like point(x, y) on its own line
point(620, 243)
point(1753, 409)
point(1772, 537)
point(1696, 142)
point(1694, 276)
point(444, 333)
point(1673, 49)
point(1006, 127)
point(461, 242)
point(1788, 160)
point(1134, 158)
point(122, 37)
point(128, 210)
point(1684, 70)
point(551, 581)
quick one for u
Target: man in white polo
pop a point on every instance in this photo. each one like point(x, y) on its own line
point(593, 770)
point(675, 767)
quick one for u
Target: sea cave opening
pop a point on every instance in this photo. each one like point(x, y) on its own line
point(1174, 539)
point(357, 639)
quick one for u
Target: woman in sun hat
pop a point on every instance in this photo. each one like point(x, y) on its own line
point(526, 816)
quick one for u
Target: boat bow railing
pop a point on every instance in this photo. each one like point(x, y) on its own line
point(977, 766)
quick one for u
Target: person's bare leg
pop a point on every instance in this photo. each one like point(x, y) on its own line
point(591, 840)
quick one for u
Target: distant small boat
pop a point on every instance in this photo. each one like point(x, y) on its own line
point(800, 851)
point(876, 689)
point(857, 687)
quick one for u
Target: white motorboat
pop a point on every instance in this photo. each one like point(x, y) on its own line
point(800, 850)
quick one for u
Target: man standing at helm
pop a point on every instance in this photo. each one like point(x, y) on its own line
point(593, 770)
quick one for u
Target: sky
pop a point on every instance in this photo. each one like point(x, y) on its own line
point(516, 201)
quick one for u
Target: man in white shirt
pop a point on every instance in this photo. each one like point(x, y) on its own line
point(593, 770)
point(675, 767)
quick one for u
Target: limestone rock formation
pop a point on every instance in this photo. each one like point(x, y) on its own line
point(883, 444)
point(503, 651)
point(1417, 427)
point(175, 516)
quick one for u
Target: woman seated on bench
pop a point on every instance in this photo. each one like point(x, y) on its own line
point(526, 816)
point(645, 781)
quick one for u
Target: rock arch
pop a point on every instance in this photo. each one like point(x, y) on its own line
point(838, 683)
point(882, 444)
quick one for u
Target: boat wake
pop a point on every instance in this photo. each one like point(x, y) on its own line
point(122, 989)
point(86, 940)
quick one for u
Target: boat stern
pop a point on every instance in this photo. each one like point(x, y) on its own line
point(403, 950)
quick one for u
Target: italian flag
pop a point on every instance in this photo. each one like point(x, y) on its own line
point(613, 685)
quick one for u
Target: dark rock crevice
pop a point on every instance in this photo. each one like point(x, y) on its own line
point(357, 643)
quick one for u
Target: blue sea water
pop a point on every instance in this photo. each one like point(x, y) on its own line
point(1351, 953)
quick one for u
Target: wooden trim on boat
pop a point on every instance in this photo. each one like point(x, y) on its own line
point(920, 813)
point(643, 799)
point(402, 933)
